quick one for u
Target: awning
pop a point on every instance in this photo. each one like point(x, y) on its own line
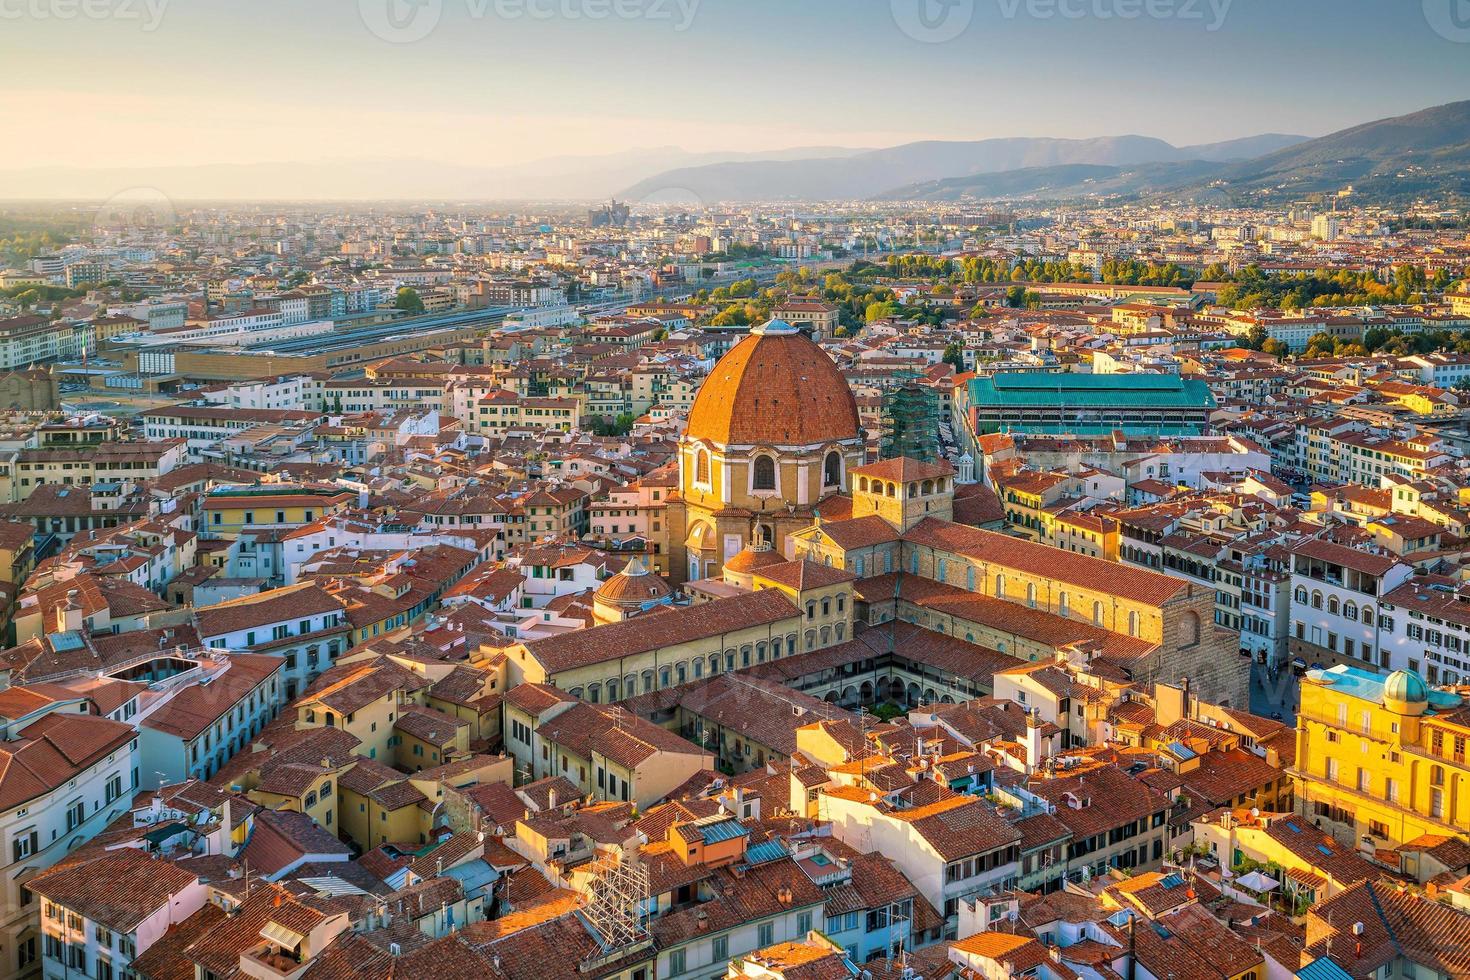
point(1257, 882)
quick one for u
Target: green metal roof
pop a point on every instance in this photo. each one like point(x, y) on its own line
point(1023, 389)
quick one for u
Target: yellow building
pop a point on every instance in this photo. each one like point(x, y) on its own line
point(1084, 533)
point(1310, 866)
point(1162, 626)
point(229, 511)
point(502, 410)
point(773, 432)
point(1381, 760)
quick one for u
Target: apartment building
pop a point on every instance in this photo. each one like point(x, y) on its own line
point(1338, 595)
point(66, 778)
point(951, 850)
point(1381, 760)
point(92, 929)
point(202, 427)
point(208, 715)
point(303, 625)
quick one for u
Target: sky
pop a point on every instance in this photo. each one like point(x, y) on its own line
point(144, 83)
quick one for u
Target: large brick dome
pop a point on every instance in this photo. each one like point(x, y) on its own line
point(776, 387)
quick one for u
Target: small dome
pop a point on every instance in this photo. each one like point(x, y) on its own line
point(1406, 687)
point(634, 585)
point(752, 558)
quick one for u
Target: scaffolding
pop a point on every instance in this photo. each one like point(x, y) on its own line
point(617, 903)
point(910, 422)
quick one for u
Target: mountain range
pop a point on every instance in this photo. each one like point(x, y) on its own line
point(573, 177)
point(1422, 154)
point(876, 173)
point(1425, 153)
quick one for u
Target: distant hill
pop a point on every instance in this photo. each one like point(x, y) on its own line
point(1423, 153)
point(1430, 148)
point(1247, 148)
point(553, 178)
point(874, 172)
point(1066, 182)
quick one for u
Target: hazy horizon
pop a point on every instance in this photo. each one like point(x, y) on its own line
point(133, 86)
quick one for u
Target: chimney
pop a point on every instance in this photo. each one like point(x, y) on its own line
point(1033, 743)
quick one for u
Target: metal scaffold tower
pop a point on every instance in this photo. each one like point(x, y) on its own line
point(617, 902)
point(910, 422)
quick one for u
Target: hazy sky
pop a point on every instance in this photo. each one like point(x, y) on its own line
point(153, 82)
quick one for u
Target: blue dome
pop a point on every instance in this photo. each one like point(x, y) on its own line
point(1406, 687)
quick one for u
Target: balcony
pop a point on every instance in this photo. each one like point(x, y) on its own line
point(271, 962)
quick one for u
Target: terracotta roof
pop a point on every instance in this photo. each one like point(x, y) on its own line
point(590, 646)
point(1003, 551)
point(137, 885)
point(904, 470)
point(778, 389)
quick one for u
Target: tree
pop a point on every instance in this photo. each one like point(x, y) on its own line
point(955, 355)
point(880, 311)
point(408, 300)
point(1276, 348)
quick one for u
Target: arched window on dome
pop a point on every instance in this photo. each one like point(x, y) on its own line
point(832, 471)
point(763, 473)
point(701, 466)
